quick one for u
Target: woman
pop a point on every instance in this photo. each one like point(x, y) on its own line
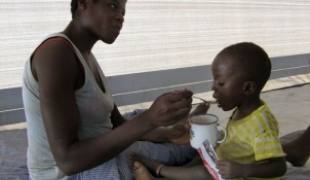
point(74, 128)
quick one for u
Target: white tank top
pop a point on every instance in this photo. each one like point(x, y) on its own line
point(94, 108)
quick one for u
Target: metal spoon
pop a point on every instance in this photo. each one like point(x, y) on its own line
point(206, 101)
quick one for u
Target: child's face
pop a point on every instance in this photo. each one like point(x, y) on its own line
point(227, 85)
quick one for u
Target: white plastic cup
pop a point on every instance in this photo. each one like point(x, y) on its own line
point(205, 127)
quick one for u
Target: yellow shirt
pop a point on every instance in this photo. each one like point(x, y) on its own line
point(253, 139)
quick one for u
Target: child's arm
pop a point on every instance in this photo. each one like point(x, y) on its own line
point(274, 168)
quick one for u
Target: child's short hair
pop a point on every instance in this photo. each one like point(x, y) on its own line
point(250, 61)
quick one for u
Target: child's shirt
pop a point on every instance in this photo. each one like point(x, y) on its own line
point(253, 139)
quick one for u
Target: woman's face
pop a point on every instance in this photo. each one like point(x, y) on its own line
point(103, 18)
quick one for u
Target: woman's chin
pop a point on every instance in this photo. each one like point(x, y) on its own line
point(109, 41)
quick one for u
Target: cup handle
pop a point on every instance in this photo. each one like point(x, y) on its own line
point(220, 128)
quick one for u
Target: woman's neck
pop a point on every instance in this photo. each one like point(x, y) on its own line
point(81, 38)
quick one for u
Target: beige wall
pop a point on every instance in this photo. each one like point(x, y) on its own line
point(157, 35)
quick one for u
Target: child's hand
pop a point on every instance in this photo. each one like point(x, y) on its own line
point(179, 133)
point(229, 169)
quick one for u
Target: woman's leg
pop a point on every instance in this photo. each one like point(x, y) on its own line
point(169, 154)
point(194, 169)
point(108, 170)
point(298, 151)
point(166, 153)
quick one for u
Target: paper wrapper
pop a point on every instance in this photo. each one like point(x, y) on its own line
point(209, 159)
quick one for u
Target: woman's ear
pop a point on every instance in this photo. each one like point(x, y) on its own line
point(249, 87)
point(82, 4)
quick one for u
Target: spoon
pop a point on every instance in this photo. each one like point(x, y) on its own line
point(206, 101)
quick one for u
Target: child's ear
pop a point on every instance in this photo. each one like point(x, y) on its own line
point(249, 87)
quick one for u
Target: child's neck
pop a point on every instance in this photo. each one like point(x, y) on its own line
point(246, 108)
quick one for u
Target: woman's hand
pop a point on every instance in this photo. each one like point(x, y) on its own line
point(202, 108)
point(170, 108)
point(179, 133)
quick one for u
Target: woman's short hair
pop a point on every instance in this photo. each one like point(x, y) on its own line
point(74, 6)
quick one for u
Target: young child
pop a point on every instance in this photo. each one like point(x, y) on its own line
point(252, 149)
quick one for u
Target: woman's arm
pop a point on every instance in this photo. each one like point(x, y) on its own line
point(158, 135)
point(116, 117)
point(57, 72)
point(274, 168)
point(177, 134)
